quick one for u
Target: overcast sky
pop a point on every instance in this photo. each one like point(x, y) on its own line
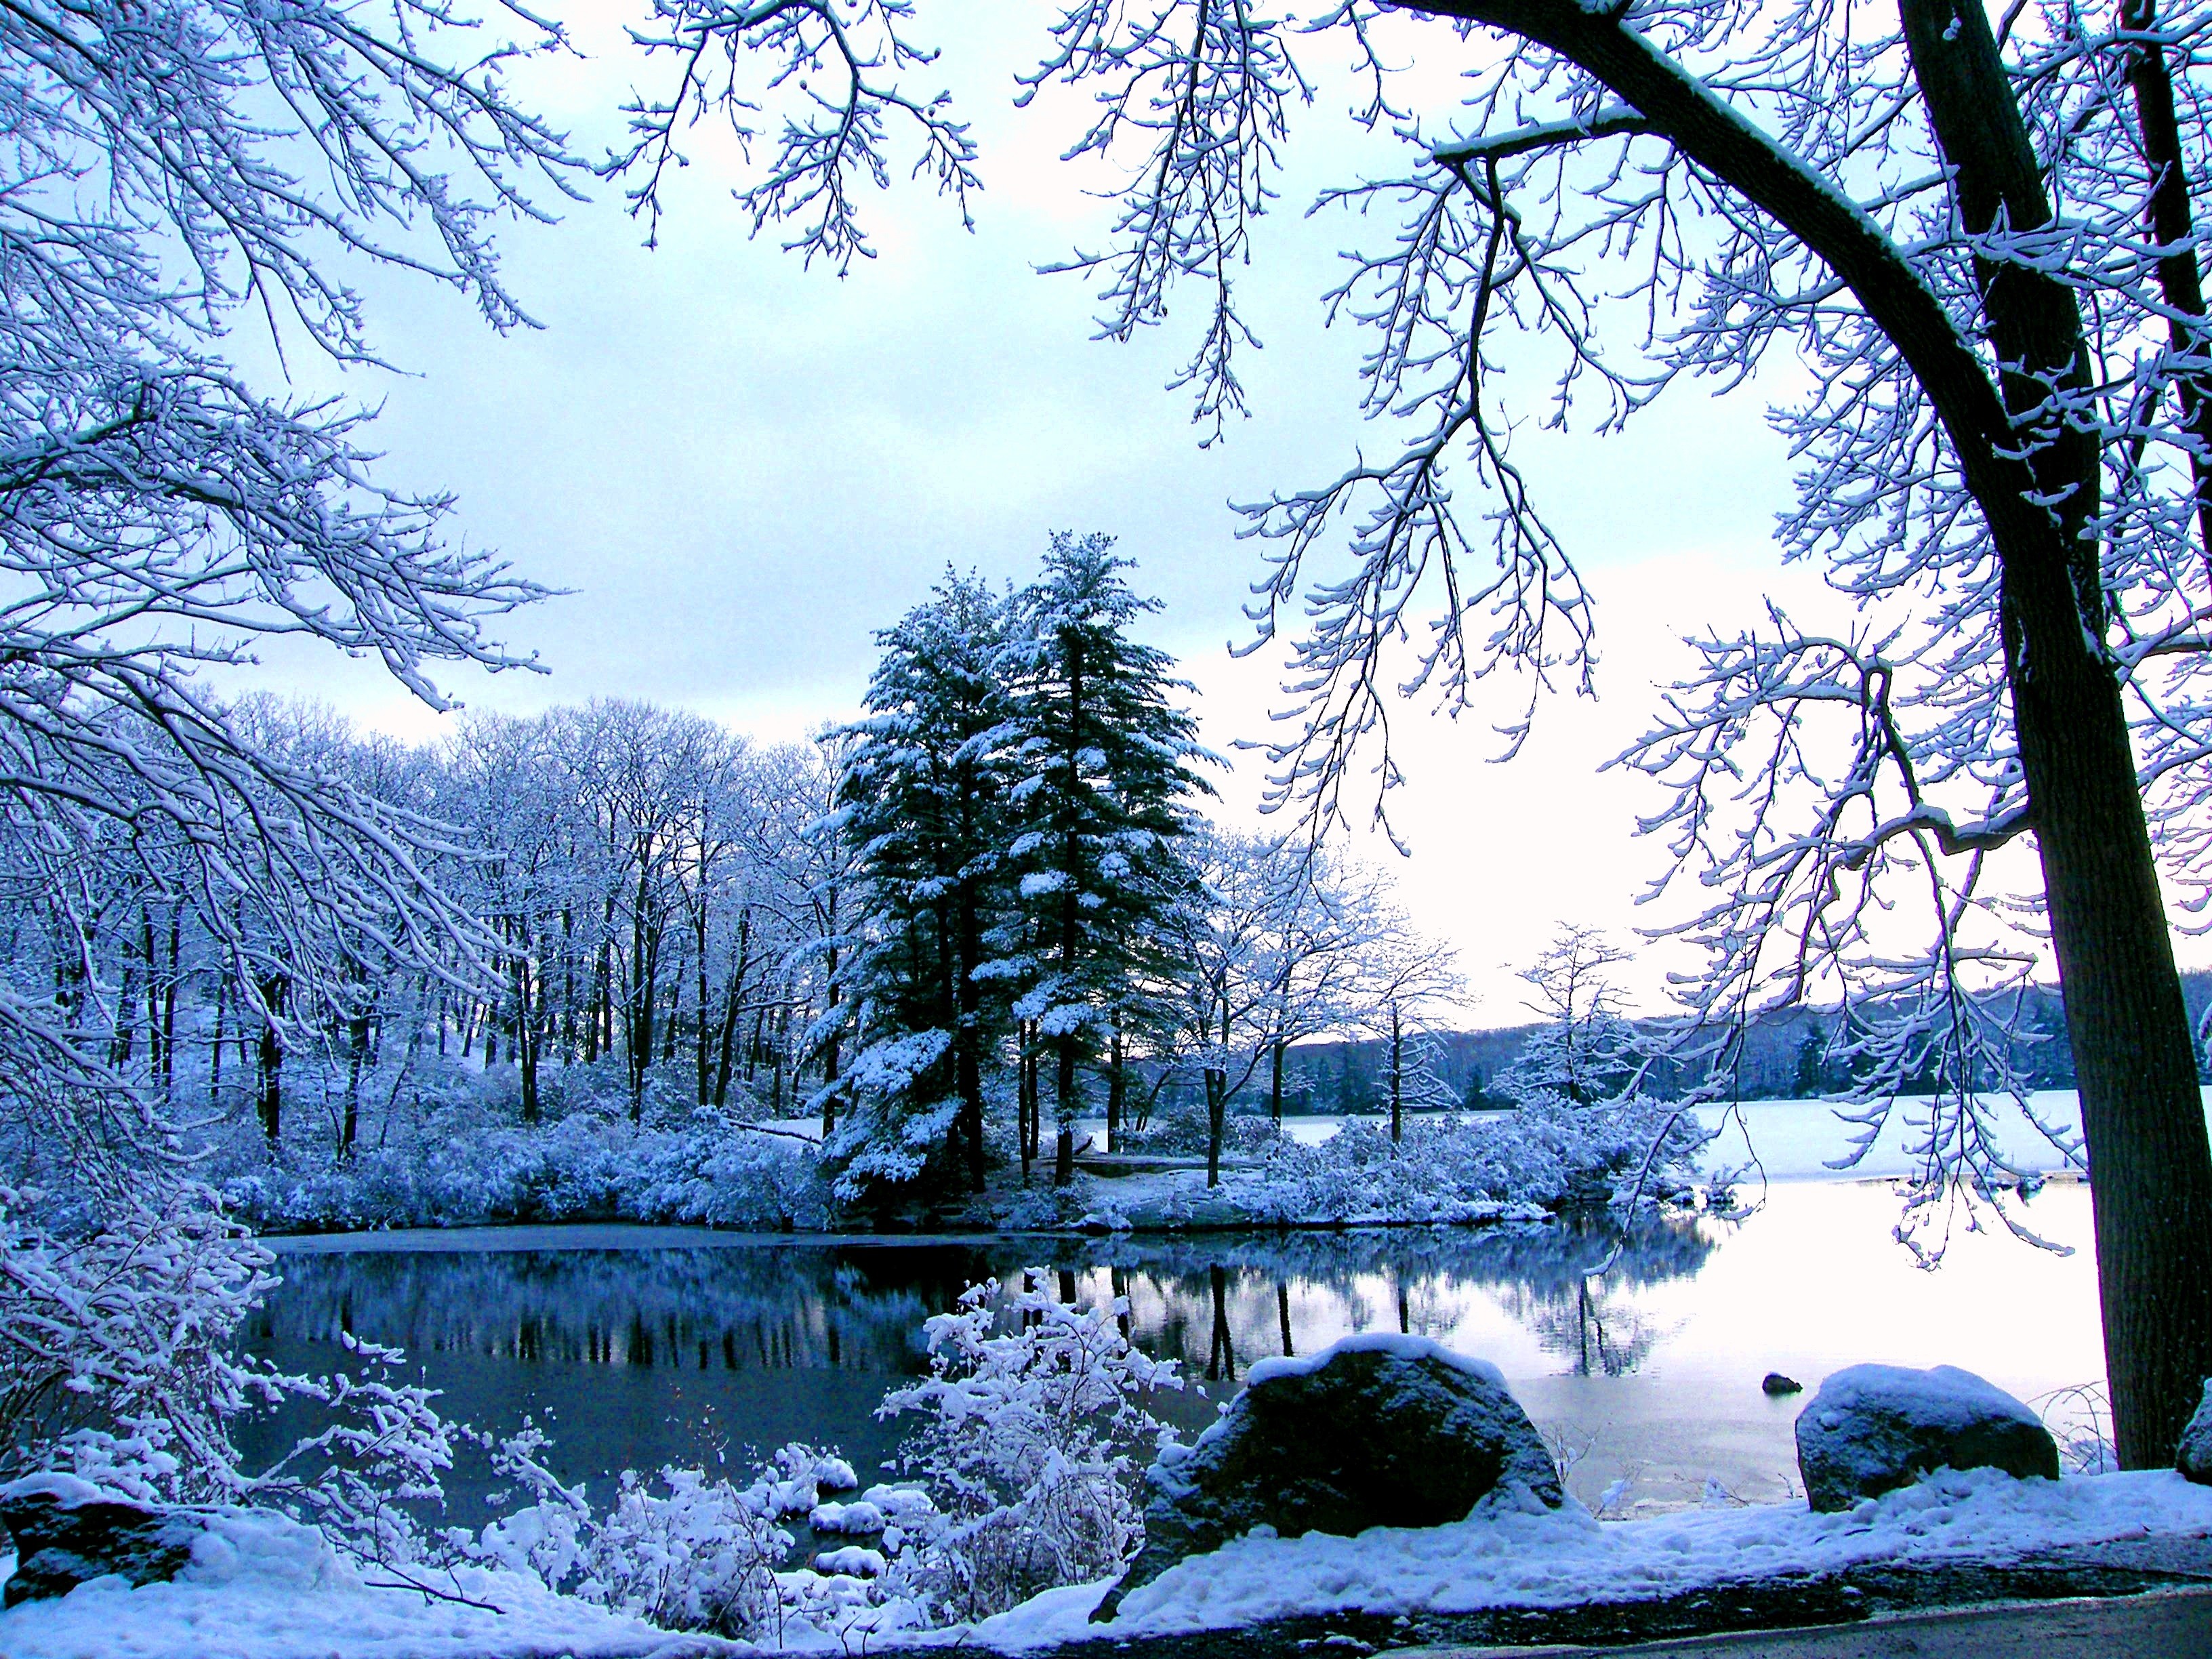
point(742, 468)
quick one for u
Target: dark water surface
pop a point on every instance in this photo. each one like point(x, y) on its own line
point(637, 1347)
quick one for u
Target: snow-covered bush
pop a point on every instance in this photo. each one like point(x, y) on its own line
point(114, 1341)
point(116, 1360)
point(464, 1164)
point(1031, 1442)
point(1456, 1168)
point(680, 1550)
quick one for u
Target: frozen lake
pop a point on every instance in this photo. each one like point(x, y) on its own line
point(641, 1345)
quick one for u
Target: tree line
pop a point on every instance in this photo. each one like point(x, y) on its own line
point(990, 902)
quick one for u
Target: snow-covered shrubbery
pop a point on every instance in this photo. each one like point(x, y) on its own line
point(467, 1161)
point(1456, 1168)
point(116, 1362)
point(680, 1550)
point(1024, 1476)
point(1031, 1444)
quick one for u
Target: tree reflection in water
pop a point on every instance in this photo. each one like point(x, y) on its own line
point(653, 1354)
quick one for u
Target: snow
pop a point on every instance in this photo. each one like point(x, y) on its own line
point(263, 1587)
point(1566, 1558)
point(1942, 1397)
point(846, 1518)
point(1389, 1342)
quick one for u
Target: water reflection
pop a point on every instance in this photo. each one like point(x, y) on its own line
point(639, 1346)
point(700, 1352)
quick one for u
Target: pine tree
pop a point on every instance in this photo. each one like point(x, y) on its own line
point(1108, 762)
point(924, 799)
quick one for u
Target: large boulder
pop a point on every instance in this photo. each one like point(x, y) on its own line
point(1872, 1429)
point(1378, 1431)
point(2194, 1459)
point(68, 1533)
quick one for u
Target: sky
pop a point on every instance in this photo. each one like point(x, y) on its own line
point(738, 468)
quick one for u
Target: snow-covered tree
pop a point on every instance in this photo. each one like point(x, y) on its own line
point(1106, 763)
point(1585, 1050)
point(1406, 980)
point(1978, 246)
point(924, 803)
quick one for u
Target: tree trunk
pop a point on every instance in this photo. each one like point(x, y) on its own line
point(269, 1095)
point(1063, 1155)
point(1275, 1087)
point(967, 1012)
point(2179, 277)
point(169, 999)
point(357, 1054)
point(1217, 1120)
point(215, 1054)
point(1117, 1087)
point(1397, 1078)
point(734, 1007)
point(529, 1029)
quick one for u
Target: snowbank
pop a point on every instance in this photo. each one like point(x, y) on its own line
point(262, 1587)
point(1561, 1559)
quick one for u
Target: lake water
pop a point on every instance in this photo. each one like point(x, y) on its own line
point(637, 1347)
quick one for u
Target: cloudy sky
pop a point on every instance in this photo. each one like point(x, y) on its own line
point(740, 468)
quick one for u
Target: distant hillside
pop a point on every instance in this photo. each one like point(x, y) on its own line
point(1782, 1058)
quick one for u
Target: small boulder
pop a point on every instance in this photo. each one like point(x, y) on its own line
point(1872, 1429)
point(1377, 1430)
point(68, 1533)
point(1774, 1383)
point(2194, 1459)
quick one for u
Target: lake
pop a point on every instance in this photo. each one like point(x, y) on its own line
point(637, 1346)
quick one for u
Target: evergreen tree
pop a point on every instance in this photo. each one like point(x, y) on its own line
point(1108, 762)
point(923, 801)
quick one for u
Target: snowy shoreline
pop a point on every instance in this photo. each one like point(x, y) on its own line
point(260, 1587)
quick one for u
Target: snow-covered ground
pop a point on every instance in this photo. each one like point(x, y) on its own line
point(1552, 1560)
point(260, 1588)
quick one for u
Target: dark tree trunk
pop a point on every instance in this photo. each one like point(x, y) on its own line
point(1117, 1088)
point(732, 1007)
point(169, 998)
point(215, 1055)
point(2179, 277)
point(1063, 1155)
point(1216, 1121)
point(1275, 1086)
point(356, 1056)
point(269, 1093)
point(967, 1012)
point(1397, 1078)
point(1283, 1317)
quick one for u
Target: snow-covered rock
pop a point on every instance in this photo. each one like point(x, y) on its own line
point(857, 1517)
point(852, 1561)
point(68, 1533)
point(2194, 1459)
point(1379, 1430)
point(1872, 1429)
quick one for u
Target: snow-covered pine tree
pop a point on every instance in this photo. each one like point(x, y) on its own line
point(923, 801)
point(1108, 763)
